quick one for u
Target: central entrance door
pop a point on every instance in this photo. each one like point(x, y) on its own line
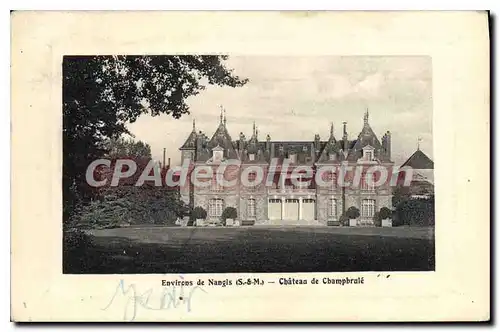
point(291, 209)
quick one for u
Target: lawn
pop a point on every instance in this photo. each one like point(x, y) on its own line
point(254, 249)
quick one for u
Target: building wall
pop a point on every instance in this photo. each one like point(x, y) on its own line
point(238, 197)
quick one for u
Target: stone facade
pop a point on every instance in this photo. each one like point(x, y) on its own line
point(282, 201)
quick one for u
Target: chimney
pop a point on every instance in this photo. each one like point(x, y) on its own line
point(344, 138)
point(388, 144)
point(164, 153)
point(168, 163)
point(268, 142)
point(241, 143)
point(316, 142)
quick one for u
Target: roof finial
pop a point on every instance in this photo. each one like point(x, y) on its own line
point(194, 125)
point(419, 139)
point(366, 117)
point(331, 129)
point(224, 117)
point(221, 110)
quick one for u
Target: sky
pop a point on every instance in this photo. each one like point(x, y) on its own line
point(294, 98)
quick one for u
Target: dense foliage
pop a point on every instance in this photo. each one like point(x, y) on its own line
point(199, 213)
point(127, 205)
point(415, 212)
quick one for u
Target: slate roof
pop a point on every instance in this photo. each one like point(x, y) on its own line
point(419, 160)
point(190, 142)
point(220, 138)
point(366, 137)
point(304, 152)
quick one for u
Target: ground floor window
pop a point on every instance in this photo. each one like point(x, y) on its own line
point(368, 208)
point(215, 207)
point(332, 208)
point(251, 208)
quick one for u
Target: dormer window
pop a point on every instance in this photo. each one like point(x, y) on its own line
point(332, 156)
point(368, 153)
point(251, 156)
point(217, 154)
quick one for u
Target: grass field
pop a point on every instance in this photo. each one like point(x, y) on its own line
point(255, 249)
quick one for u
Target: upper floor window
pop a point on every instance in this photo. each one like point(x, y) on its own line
point(251, 156)
point(367, 182)
point(216, 185)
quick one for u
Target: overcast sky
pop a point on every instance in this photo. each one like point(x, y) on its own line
point(293, 98)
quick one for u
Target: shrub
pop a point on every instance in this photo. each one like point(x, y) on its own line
point(229, 213)
point(199, 213)
point(126, 205)
point(352, 212)
point(385, 213)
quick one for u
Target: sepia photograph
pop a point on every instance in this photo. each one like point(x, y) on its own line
point(220, 163)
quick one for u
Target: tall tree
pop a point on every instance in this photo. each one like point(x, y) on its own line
point(101, 94)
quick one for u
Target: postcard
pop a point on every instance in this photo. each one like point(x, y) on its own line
point(250, 166)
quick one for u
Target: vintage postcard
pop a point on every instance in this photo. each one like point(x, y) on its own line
point(272, 166)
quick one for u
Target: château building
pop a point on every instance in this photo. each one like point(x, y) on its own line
point(284, 202)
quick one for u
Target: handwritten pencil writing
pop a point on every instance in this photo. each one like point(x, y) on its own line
point(169, 298)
